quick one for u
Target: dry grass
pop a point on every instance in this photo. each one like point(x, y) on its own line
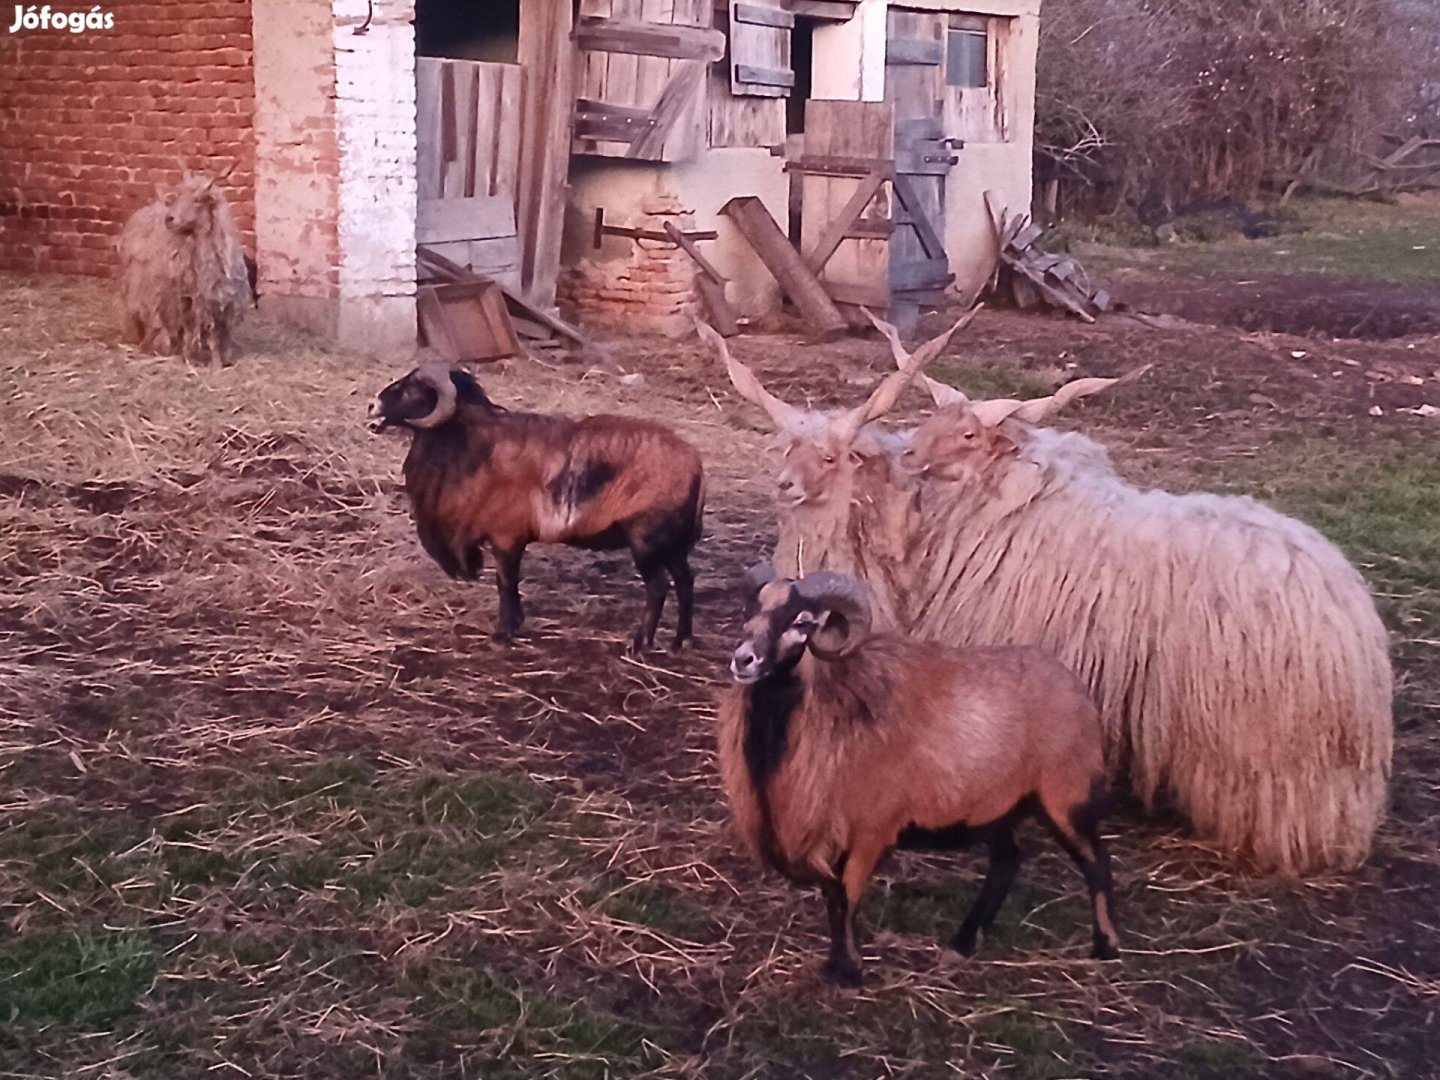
point(272, 805)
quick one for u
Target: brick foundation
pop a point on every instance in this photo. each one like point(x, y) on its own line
point(91, 123)
point(653, 289)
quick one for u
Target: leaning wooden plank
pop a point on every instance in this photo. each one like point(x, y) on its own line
point(684, 243)
point(795, 278)
point(650, 39)
point(1053, 296)
point(722, 315)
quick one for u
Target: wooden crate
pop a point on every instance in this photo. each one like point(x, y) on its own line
point(466, 321)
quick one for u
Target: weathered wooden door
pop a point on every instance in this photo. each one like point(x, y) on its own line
point(640, 88)
point(915, 84)
point(467, 162)
point(846, 166)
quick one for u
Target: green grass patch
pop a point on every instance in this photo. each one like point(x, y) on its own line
point(1374, 241)
point(983, 381)
point(1029, 1047)
point(646, 903)
point(518, 1027)
point(88, 978)
point(1218, 1059)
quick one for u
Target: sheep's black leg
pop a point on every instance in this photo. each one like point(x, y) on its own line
point(1005, 859)
point(679, 566)
point(507, 580)
point(1078, 832)
point(652, 570)
point(843, 963)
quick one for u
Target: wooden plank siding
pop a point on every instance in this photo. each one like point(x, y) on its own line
point(641, 78)
point(468, 163)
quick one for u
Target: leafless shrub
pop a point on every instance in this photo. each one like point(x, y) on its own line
point(1160, 102)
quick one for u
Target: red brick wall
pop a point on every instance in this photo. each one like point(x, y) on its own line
point(90, 123)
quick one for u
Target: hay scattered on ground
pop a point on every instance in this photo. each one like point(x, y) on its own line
point(258, 757)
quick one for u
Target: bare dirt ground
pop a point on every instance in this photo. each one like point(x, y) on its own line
point(271, 804)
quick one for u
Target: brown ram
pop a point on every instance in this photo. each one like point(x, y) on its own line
point(837, 746)
point(479, 475)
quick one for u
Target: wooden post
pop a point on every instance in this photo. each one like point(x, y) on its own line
point(547, 55)
point(800, 285)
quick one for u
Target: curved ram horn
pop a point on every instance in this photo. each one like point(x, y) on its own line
point(843, 596)
point(437, 377)
point(782, 415)
point(941, 393)
point(757, 577)
point(893, 385)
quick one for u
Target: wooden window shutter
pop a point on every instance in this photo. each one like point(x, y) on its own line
point(760, 49)
point(641, 85)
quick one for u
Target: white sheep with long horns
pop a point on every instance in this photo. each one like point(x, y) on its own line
point(1240, 665)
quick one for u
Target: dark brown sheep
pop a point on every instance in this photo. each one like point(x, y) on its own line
point(479, 475)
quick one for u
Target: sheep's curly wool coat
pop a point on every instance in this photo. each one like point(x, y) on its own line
point(1239, 662)
point(184, 289)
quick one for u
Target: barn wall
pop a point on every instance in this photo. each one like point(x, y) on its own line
point(1002, 168)
point(335, 130)
point(91, 122)
point(653, 282)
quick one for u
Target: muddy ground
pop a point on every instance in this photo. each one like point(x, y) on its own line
point(274, 805)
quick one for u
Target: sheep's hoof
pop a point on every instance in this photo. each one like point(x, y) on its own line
point(681, 646)
point(503, 637)
point(1105, 949)
point(842, 971)
point(965, 944)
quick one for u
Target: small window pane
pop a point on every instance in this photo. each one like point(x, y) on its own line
point(965, 58)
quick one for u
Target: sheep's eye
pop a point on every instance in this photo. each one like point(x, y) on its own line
point(969, 435)
point(829, 459)
point(804, 620)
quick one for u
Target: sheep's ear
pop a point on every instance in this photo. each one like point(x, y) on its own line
point(1001, 444)
point(943, 393)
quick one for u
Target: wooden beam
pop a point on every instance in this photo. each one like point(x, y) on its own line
point(759, 15)
point(757, 76)
point(922, 274)
point(910, 200)
point(875, 297)
point(837, 10)
point(685, 85)
point(722, 315)
point(548, 57)
point(764, 236)
point(838, 229)
point(684, 242)
point(594, 34)
point(901, 52)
